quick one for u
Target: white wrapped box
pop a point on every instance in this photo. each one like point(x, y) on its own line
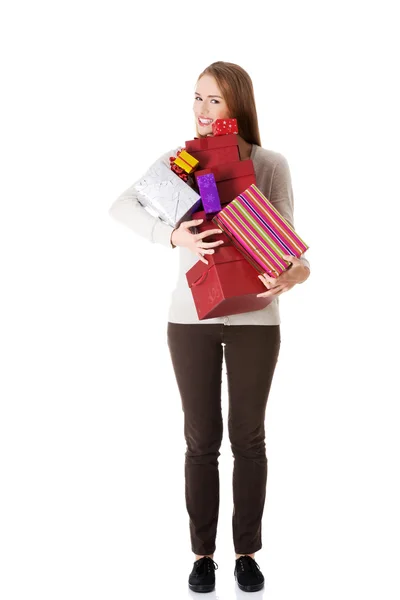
point(166, 194)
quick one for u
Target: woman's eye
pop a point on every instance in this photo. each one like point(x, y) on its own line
point(217, 101)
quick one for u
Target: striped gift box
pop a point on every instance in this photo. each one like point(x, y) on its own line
point(260, 232)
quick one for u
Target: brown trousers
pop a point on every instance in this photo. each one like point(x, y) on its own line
point(251, 353)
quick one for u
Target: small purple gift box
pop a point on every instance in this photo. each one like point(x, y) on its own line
point(208, 192)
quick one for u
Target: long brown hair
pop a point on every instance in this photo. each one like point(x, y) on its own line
point(237, 89)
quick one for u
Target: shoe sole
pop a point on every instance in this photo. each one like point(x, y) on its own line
point(250, 588)
point(202, 588)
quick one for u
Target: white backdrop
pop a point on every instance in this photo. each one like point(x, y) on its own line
point(92, 447)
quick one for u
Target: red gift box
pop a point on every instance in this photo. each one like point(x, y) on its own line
point(231, 178)
point(226, 286)
point(224, 126)
point(231, 240)
point(211, 150)
point(208, 225)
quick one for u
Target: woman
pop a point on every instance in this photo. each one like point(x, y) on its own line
point(250, 343)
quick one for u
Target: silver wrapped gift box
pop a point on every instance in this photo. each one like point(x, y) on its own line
point(162, 192)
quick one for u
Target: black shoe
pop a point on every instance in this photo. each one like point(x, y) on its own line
point(202, 577)
point(248, 575)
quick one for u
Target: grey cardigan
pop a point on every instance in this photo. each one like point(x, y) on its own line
point(272, 178)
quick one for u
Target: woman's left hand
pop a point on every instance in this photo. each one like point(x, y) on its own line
point(297, 273)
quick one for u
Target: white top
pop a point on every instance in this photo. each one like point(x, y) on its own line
point(274, 181)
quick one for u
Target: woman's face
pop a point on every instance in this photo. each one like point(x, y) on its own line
point(209, 104)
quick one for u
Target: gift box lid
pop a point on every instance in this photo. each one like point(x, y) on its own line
point(193, 162)
point(230, 170)
point(211, 142)
point(224, 254)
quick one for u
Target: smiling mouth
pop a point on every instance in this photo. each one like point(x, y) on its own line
point(204, 122)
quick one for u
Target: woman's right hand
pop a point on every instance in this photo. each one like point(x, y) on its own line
point(195, 242)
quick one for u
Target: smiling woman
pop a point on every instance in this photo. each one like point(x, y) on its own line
point(250, 342)
point(209, 105)
point(214, 98)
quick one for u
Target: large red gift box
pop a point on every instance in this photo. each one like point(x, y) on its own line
point(210, 151)
point(231, 178)
point(228, 285)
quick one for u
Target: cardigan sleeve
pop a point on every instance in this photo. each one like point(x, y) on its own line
point(282, 194)
point(127, 210)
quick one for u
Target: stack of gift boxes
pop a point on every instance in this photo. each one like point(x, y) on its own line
point(224, 194)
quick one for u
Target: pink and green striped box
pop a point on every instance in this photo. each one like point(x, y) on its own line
point(260, 232)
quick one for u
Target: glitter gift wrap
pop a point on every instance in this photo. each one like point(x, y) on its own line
point(224, 126)
point(164, 192)
point(212, 150)
point(208, 225)
point(226, 286)
point(231, 178)
point(187, 162)
point(260, 232)
point(208, 192)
